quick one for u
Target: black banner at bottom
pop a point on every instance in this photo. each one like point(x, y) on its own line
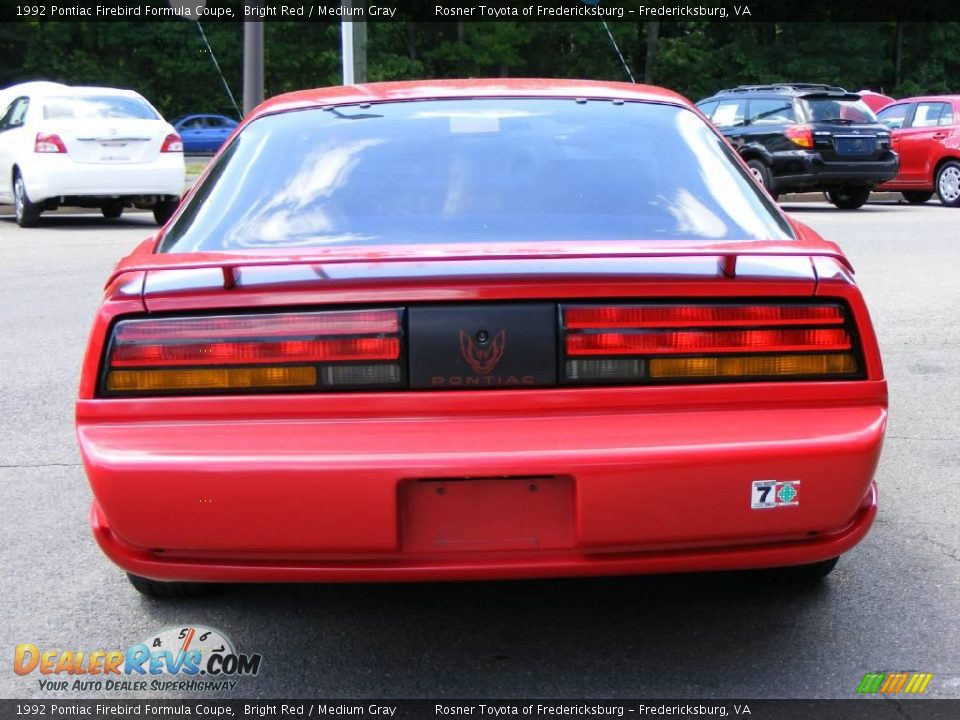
point(876, 708)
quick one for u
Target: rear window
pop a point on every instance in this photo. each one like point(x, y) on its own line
point(930, 114)
point(484, 170)
point(840, 110)
point(84, 107)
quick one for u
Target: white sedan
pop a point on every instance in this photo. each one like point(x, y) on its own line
point(86, 147)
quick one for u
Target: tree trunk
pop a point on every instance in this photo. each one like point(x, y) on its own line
point(650, 64)
point(411, 40)
point(897, 54)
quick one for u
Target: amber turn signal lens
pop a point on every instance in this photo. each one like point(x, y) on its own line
point(210, 379)
point(840, 364)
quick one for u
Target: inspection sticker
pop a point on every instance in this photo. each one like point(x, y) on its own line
point(774, 493)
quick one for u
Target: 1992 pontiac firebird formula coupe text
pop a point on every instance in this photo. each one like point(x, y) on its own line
point(478, 329)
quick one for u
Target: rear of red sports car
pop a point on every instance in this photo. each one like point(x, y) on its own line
point(478, 329)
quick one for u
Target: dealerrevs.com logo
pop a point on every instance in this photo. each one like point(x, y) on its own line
point(192, 658)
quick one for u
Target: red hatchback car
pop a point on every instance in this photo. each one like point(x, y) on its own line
point(472, 330)
point(926, 134)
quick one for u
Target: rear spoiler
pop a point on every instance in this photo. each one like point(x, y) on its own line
point(726, 252)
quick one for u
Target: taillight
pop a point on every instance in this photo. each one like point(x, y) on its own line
point(347, 349)
point(801, 135)
point(49, 143)
point(172, 143)
point(662, 343)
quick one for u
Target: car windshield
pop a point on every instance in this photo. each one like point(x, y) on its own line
point(844, 110)
point(85, 107)
point(478, 170)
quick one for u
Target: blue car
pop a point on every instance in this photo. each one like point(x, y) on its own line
point(204, 133)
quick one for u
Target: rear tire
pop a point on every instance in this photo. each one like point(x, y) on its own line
point(762, 173)
point(164, 210)
point(948, 183)
point(169, 590)
point(916, 197)
point(811, 574)
point(849, 198)
point(26, 213)
point(112, 211)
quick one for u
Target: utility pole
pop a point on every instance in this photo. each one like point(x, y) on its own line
point(252, 61)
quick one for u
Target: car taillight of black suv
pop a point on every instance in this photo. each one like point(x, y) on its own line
point(801, 137)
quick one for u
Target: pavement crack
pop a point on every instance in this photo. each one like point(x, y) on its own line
point(914, 437)
point(38, 465)
point(950, 552)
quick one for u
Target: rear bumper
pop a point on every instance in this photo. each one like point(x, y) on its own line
point(639, 490)
point(58, 176)
point(801, 170)
point(490, 567)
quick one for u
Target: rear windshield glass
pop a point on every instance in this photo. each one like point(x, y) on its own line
point(483, 170)
point(83, 107)
point(838, 110)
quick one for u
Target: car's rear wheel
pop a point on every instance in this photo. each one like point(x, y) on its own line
point(849, 198)
point(111, 211)
point(27, 213)
point(169, 590)
point(163, 211)
point(762, 173)
point(916, 197)
point(805, 574)
point(948, 184)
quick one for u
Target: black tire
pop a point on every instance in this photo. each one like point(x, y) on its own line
point(916, 197)
point(762, 173)
point(948, 183)
point(849, 198)
point(164, 210)
point(169, 590)
point(112, 211)
point(27, 213)
point(804, 574)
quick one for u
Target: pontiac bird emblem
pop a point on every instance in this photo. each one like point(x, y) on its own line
point(482, 359)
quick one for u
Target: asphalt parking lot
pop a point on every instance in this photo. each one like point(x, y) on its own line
point(892, 604)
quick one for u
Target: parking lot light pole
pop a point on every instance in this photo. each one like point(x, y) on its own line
point(346, 54)
point(353, 43)
point(252, 61)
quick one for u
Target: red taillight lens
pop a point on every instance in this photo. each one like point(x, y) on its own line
point(49, 143)
point(624, 343)
point(801, 135)
point(241, 353)
point(670, 316)
point(172, 144)
point(658, 343)
point(346, 322)
point(315, 350)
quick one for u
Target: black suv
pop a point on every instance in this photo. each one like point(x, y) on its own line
point(799, 137)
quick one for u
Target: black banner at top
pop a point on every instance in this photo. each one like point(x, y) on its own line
point(477, 10)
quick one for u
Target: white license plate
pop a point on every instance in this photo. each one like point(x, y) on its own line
point(114, 153)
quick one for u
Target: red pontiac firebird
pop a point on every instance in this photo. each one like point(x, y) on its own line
point(478, 329)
